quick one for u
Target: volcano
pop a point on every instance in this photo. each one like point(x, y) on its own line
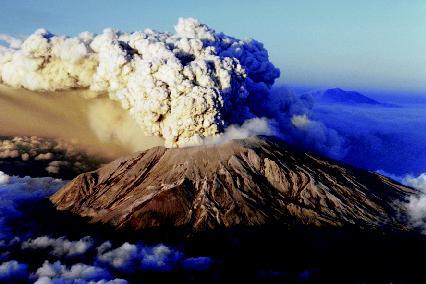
point(249, 182)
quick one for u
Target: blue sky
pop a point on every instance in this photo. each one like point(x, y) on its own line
point(365, 45)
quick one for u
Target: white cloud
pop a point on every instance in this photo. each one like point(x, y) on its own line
point(11, 41)
point(159, 258)
point(79, 271)
point(121, 258)
point(418, 182)
point(60, 246)
point(11, 271)
point(130, 257)
point(416, 206)
point(251, 127)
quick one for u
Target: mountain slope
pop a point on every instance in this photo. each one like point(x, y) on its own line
point(340, 96)
point(247, 182)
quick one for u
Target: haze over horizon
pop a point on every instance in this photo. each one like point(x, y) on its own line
point(372, 47)
point(190, 142)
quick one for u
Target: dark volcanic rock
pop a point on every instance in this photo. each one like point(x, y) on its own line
point(247, 182)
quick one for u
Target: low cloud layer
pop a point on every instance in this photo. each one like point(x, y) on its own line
point(376, 137)
point(28, 257)
point(36, 156)
point(16, 192)
point(59, 246)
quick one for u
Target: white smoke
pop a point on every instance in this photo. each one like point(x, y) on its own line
point(182, 86)
point(251, 127)
point(418, 182)
point(416, 206)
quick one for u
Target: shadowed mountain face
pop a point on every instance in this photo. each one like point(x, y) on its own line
point(339, 96)
point(254, 181)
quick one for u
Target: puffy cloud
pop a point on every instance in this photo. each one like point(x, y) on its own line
point(60, 246)
point(122, 258)
point(79, 273)
point(251, 127)
point(300, 120)
point(13, 42)
point(4, 178)
point(11, 271)
point(180, 86)
point(55, 156)
point(130, 257)
point(416, 205)
point(418, 182)
point(159, 258)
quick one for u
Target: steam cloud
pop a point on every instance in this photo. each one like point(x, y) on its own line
point(182, 87)
point(417, 204)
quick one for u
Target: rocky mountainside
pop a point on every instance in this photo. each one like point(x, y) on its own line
point(247, 182)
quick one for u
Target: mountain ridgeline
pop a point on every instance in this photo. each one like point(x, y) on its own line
point(242, 183)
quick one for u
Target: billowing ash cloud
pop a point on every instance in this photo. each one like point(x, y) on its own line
point(182, 86)
point(289, 117)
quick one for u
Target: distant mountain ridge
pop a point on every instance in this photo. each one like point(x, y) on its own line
point(340, 96)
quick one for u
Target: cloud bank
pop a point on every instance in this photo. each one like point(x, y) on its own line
point(375, 137)
point(36, 156)
point(30, 253)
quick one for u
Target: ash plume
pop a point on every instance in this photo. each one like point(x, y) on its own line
point(89, 121)
point(181, 87)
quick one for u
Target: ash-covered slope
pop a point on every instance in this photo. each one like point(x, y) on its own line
point(247, 182)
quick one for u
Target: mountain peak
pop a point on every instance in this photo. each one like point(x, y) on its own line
point(340, 96)
point(247, 182)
